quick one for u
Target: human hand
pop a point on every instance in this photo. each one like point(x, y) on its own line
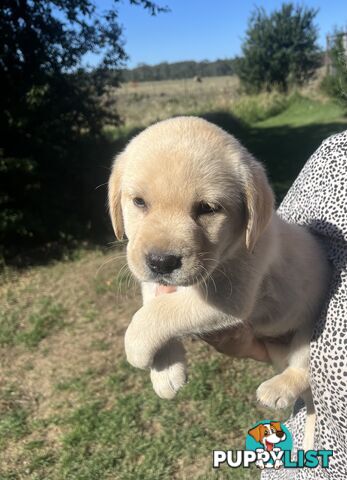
point(238, 341)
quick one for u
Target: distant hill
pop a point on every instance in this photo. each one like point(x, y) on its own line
point(177, 70)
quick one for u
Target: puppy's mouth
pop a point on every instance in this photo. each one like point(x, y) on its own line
point(171, 281)
point(177, 278)
point(269, 445)
point(164, 282)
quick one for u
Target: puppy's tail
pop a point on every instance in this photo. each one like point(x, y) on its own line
point(310, 424)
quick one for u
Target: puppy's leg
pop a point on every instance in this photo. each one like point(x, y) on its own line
point(169, 369)
point(286, 387)
point(282, 389)
point(168, 317)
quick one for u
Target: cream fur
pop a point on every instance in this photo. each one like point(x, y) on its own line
point(241, 263)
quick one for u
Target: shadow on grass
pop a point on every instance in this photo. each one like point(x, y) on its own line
point(283, 150)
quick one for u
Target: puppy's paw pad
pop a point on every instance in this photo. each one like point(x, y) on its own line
point(275, 393)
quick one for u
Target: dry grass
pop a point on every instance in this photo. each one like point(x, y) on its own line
point(142, 103)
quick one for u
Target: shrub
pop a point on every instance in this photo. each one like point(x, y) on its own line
point(335, 84)
point(254, 108)
point(280, 49)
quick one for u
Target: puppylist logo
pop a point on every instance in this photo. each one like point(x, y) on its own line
point(269, 444)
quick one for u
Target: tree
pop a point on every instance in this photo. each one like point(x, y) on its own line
point(335, 83)
point(177, 70)
point(280, 49)
point(49, 107)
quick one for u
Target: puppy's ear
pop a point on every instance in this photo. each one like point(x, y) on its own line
point(276, 425)
point(114, 196)
point(259, 202)
point(256, 432)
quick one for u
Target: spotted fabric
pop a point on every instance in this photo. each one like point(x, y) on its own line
point(318, 199)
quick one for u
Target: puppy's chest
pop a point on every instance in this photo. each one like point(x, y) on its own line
point(264, 311)
point(271, 316)
point(226, 298)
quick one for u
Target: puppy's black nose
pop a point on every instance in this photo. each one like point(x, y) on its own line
point(163, 263)
point(280, 434)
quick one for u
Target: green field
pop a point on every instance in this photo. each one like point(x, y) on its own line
point(70, 405)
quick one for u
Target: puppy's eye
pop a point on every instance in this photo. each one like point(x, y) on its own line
point(139, 202)
point(205, 208)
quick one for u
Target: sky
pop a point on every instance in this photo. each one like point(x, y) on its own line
point(203, 29)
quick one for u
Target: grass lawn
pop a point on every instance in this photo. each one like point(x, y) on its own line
point(70, 405)
point(72, 408)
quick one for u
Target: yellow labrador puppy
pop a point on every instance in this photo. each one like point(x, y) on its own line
point(199, 214)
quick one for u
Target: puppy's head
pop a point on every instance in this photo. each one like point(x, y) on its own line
point(268, 434)
point(186, 194)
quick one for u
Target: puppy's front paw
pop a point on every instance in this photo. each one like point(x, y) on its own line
point(138, 357)
point(167, 382)
point(169, 370)
point(138, 350)
point(275, 393)
point(281, 390)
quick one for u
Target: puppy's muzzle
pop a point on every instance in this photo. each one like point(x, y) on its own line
point(163, 263)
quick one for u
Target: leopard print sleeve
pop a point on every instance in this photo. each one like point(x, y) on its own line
point(318, 199)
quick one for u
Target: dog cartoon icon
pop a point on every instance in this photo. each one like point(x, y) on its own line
point(268, 435)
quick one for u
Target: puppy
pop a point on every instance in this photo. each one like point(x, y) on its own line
point(199, 215)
